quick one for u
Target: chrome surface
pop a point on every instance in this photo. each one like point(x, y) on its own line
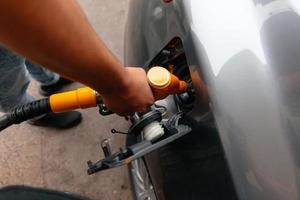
point(248, 54)
point(141, 182)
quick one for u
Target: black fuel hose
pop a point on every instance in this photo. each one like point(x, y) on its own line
point(25, 112)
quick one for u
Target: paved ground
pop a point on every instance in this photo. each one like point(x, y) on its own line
point(57, 159)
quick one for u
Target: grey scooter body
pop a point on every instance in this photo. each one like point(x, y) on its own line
point(248, 55)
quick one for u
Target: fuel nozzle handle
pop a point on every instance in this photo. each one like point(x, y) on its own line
point(75, 99)
point(160, 79)
point(162, 82)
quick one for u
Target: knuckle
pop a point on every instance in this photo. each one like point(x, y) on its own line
point(151, 101)
point(149, 104)
point(140, 109)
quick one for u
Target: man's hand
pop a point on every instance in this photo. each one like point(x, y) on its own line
point(134, 96)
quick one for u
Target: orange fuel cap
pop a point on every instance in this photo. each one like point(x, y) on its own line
point(164, 83)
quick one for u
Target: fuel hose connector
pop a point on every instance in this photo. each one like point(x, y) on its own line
point(81, 98)
point(61, 102)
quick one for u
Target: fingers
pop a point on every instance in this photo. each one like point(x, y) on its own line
point(136, 96)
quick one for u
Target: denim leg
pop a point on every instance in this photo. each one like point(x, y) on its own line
point(42, 75)
point(14, 81)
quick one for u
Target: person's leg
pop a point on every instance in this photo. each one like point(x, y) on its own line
point(14, 80)
point(50, 82)
point(42, 75)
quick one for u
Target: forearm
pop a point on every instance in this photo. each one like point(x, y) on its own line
point(56, 34)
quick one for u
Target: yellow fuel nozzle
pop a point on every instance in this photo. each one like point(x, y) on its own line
point(164, 83)
point(66, 101)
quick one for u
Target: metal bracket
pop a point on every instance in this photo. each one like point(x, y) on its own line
point(103, 110)
point(127, 155)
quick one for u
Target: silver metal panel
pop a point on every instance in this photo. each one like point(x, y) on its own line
point(248, 53)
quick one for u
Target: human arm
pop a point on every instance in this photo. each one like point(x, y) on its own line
point(57, 35)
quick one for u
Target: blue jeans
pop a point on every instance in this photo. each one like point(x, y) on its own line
point(15, 74)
